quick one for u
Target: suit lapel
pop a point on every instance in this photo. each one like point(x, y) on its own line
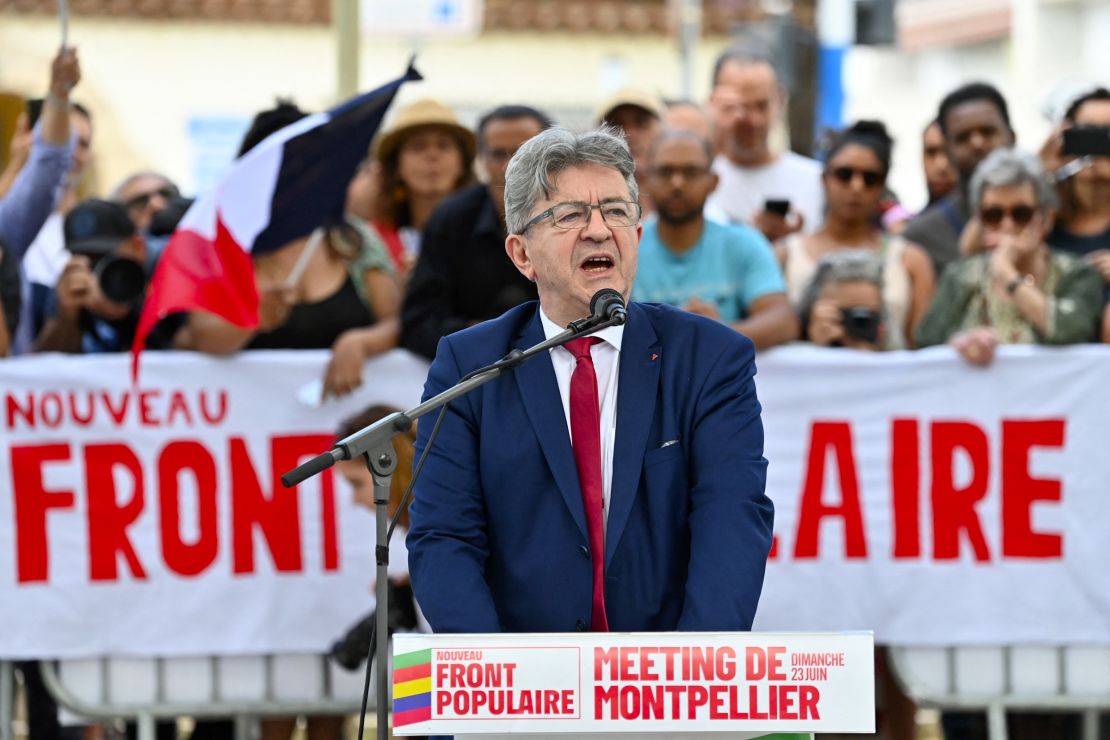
point(637, 385)
point(540, 392)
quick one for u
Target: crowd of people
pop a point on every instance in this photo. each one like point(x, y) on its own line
point(1012, 246)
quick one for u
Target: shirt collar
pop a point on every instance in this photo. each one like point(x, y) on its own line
point(611, 335)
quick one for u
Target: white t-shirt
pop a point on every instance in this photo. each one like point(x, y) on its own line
point(46, 258)
point(742, 191)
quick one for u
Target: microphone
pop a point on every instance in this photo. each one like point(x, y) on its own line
point(607, 306)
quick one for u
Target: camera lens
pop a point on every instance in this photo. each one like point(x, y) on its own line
point(861, 323)
point(122, 280)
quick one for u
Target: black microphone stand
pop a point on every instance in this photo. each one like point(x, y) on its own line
point(375, 445)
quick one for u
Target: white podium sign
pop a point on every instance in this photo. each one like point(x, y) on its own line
point(582, 683)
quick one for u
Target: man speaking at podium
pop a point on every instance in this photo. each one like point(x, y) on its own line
point(615, 483)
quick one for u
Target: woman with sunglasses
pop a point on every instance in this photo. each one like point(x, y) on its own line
point(1014, 289)
point(856, 167)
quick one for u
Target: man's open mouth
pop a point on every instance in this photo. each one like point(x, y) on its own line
point(597, 263)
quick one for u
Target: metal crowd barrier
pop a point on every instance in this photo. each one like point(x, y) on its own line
point(998, 679)
point(7, 699)
point(243, 688)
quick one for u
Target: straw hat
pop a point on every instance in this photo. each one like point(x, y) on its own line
point(417, 115)
point(633, 96)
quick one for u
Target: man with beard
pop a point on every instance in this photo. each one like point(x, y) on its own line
point(725, 272)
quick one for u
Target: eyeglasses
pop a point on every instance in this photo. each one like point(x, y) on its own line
point(142, 200)
point(871, 178)
point(1021, 215)
point(617, 213)
point(666, 174)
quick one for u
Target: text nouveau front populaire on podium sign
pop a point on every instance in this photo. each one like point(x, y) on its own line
point(636, 683)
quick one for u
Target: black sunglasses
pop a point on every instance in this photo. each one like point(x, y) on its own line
point(871, 178)
point(142, 200)
point(1021, 215)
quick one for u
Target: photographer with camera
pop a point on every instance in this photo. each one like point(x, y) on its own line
point(843, 304)
point(96, 303)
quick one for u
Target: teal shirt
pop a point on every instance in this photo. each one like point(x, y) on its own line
point(730, 266)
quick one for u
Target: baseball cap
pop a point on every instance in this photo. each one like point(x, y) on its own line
point(97, 227)
point(634, 96)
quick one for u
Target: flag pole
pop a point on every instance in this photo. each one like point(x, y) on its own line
point(345, 21)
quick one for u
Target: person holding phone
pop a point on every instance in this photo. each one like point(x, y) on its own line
point(1083, 223)
point(777, 192)
point(855, 174)
point(1015, 289)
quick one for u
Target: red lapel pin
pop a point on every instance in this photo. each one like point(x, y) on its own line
point(654, 357)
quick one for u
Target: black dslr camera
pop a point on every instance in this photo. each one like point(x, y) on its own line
point(861, 323)
point(97, 229)
point(122, 279)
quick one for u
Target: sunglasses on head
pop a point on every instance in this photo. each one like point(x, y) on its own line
point(871, 178)
point(1021, 215)
point(142, 200)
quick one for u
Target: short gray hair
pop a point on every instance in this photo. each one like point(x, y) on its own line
point(530, 171)
point(1006, 167)
point(842, 266)
point(117, 191)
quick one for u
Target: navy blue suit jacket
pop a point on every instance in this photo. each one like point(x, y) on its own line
point(498, 539)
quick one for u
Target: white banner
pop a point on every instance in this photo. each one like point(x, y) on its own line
point(938, 503)
point(915, 496)
point(151, 521)
point(743, 683)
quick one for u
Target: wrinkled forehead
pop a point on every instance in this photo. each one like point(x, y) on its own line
point(586, 183)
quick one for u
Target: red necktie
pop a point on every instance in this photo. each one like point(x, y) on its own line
point(585, 432)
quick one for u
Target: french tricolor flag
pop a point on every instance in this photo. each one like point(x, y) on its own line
point(283, 189)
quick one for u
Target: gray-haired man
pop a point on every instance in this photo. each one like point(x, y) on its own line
point(552, 502)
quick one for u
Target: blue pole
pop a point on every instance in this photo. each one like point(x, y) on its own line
point(836, 29)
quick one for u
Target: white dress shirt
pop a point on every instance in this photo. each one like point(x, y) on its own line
point(606, 356)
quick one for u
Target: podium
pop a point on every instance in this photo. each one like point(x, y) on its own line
point(643, 685)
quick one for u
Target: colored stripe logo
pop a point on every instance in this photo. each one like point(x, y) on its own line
point(412, 687)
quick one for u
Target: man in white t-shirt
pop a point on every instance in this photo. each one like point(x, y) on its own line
point(778, 193)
